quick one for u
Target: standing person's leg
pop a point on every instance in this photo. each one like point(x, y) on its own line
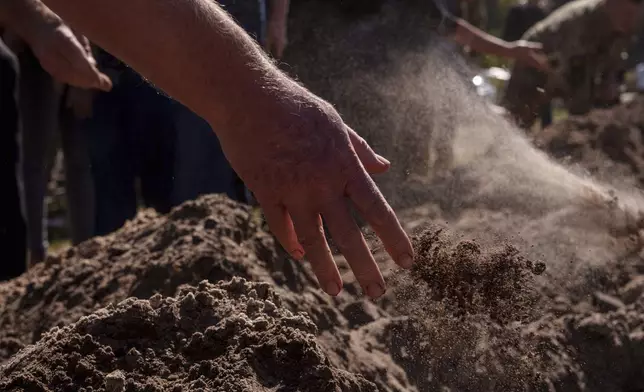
point(39, 108)
point(111, 157)
point(13, 241)
point(200, 165)
point(78, 175)
point(156, 146)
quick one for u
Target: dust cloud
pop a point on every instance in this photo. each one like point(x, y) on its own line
point(408, 92)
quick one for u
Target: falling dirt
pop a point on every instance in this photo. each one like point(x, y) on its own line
point(465, 280)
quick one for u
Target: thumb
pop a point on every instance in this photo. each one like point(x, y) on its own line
point(372, 162)
point(104, 82)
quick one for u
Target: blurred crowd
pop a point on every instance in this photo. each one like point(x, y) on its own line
point(125, 144)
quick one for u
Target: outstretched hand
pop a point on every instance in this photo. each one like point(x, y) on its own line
point(67, 57)
point(530, 54)
point(305, 165)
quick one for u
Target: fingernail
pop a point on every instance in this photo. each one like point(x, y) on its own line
point(406, 261)
point(297, 254)
point(105, 83)
point(375, 290)
point(332, 288)
point(383, 160)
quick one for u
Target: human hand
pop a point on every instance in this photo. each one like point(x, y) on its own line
point(530, 54)
point(303, 164)
point(276, 37)
point(66, 56)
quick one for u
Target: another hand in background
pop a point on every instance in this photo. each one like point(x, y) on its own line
point(530, 54)
point(66, 55)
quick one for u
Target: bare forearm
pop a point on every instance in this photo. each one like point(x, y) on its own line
point(480, 41)
point(189, 48)
point(23, 16)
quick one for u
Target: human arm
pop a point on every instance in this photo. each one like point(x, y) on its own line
point(276, 32)
point(65, 55)
point(528, 53)
point(290, 147)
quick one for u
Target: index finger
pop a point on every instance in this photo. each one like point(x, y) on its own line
point(373, 207)
point(83, 67)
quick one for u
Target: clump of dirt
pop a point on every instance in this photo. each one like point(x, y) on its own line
point(465, 280)
point(464, 309)
point(232, 336)
point(608, 143)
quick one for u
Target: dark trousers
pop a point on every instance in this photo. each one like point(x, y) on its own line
point(131, 137)
point(47, 124)
point(13, 240)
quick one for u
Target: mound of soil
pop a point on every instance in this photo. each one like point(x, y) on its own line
point(200, 299)
point(233, 336)
point(212, 238)
point(608, 143)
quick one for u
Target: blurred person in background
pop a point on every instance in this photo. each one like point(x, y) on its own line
point(450, 24)
point(62, 53)
point(131, 135)
point(585, 41)
point(49, 112)
point(521, 17)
